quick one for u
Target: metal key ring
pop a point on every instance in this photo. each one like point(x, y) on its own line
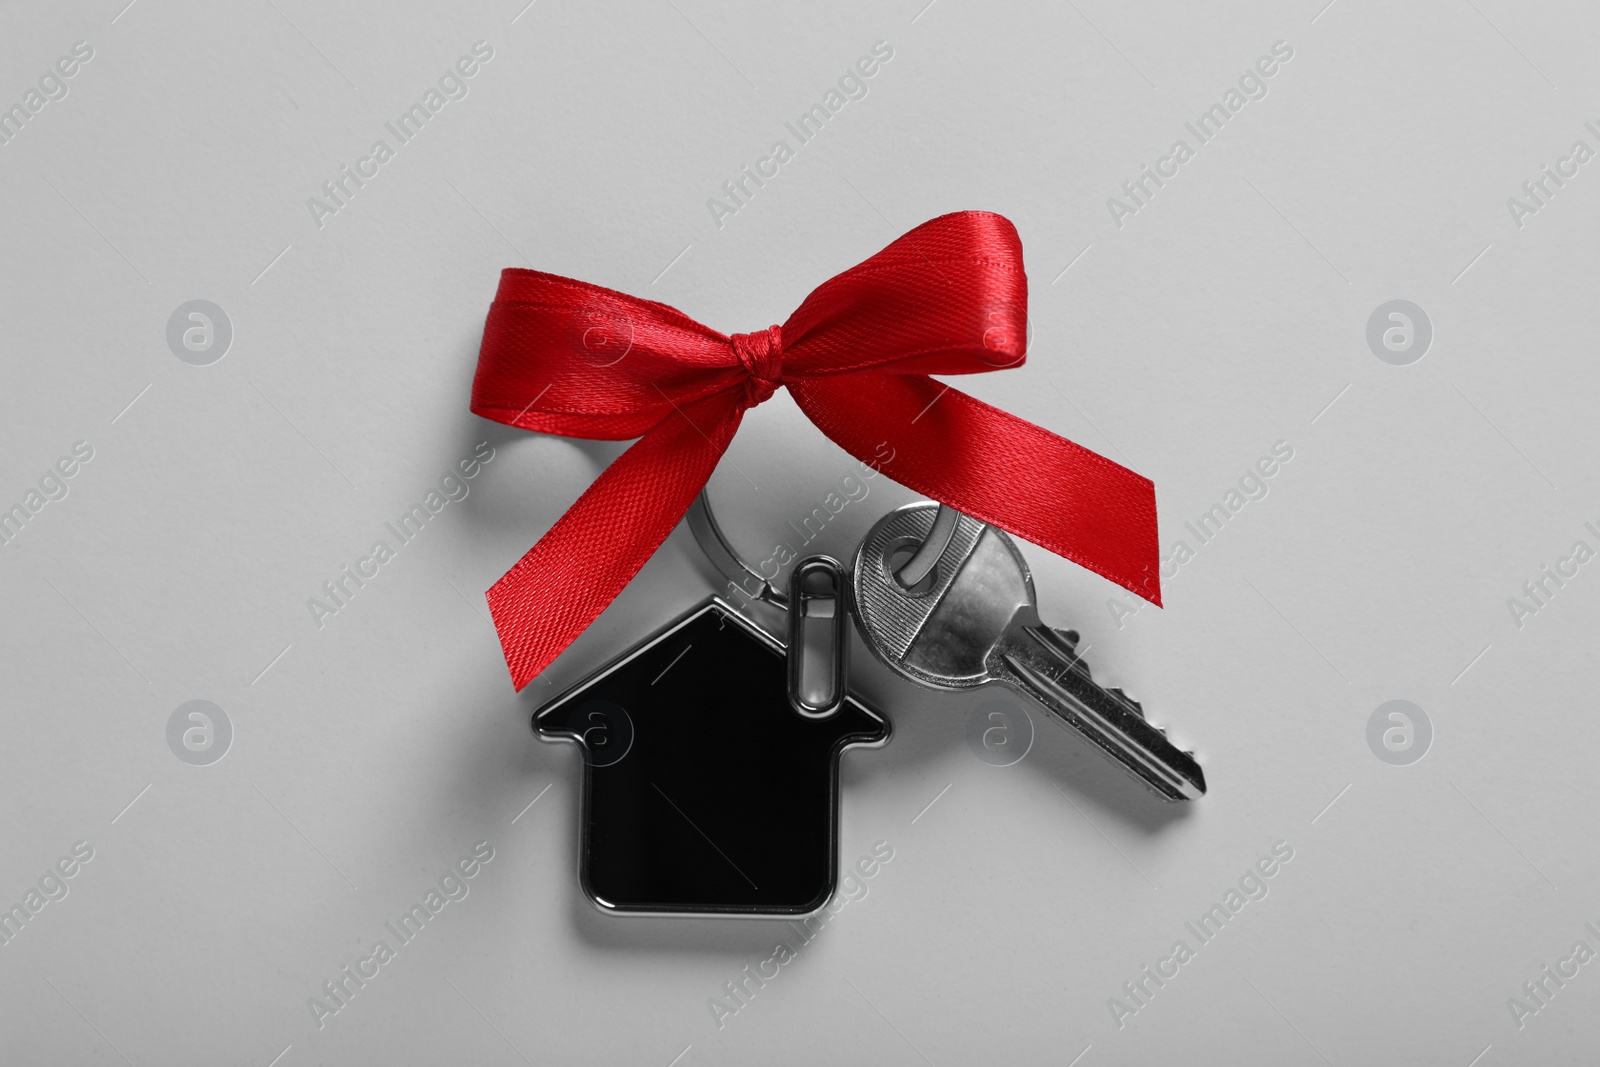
point(714, 543)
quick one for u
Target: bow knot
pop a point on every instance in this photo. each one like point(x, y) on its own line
point(857, 357)
point(761, 354)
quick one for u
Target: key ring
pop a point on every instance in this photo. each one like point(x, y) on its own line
point(714, 543)
point(728, 563)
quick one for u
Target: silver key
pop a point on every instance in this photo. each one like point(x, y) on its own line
point(973, 620)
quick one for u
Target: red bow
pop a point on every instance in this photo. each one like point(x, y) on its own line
point(950, 297)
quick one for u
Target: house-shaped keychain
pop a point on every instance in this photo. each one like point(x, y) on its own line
point(711, 778)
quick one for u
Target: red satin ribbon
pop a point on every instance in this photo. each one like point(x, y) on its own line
point(950, 297)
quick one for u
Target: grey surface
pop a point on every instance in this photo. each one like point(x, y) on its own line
point(1229, 313)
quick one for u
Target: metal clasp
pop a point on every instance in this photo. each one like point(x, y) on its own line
point(819, 637)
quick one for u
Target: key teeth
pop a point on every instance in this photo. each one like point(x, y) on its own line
point(1121, 695)
point(1080, 664)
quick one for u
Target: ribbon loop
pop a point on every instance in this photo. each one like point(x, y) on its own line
point(949, 297)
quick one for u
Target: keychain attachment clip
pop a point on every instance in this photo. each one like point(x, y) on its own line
point(819, 637)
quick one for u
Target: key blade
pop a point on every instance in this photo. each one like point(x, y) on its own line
point(1063, 645)
point(1115, 724)
point(1120, 733)
point(1133, 705)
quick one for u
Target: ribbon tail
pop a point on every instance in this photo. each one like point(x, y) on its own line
point(997, 468)
point(542, 604)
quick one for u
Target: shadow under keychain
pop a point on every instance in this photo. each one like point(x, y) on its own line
point(711, 759)
point(711, 781)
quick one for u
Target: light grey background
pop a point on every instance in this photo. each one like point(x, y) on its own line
point(1226, 315)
